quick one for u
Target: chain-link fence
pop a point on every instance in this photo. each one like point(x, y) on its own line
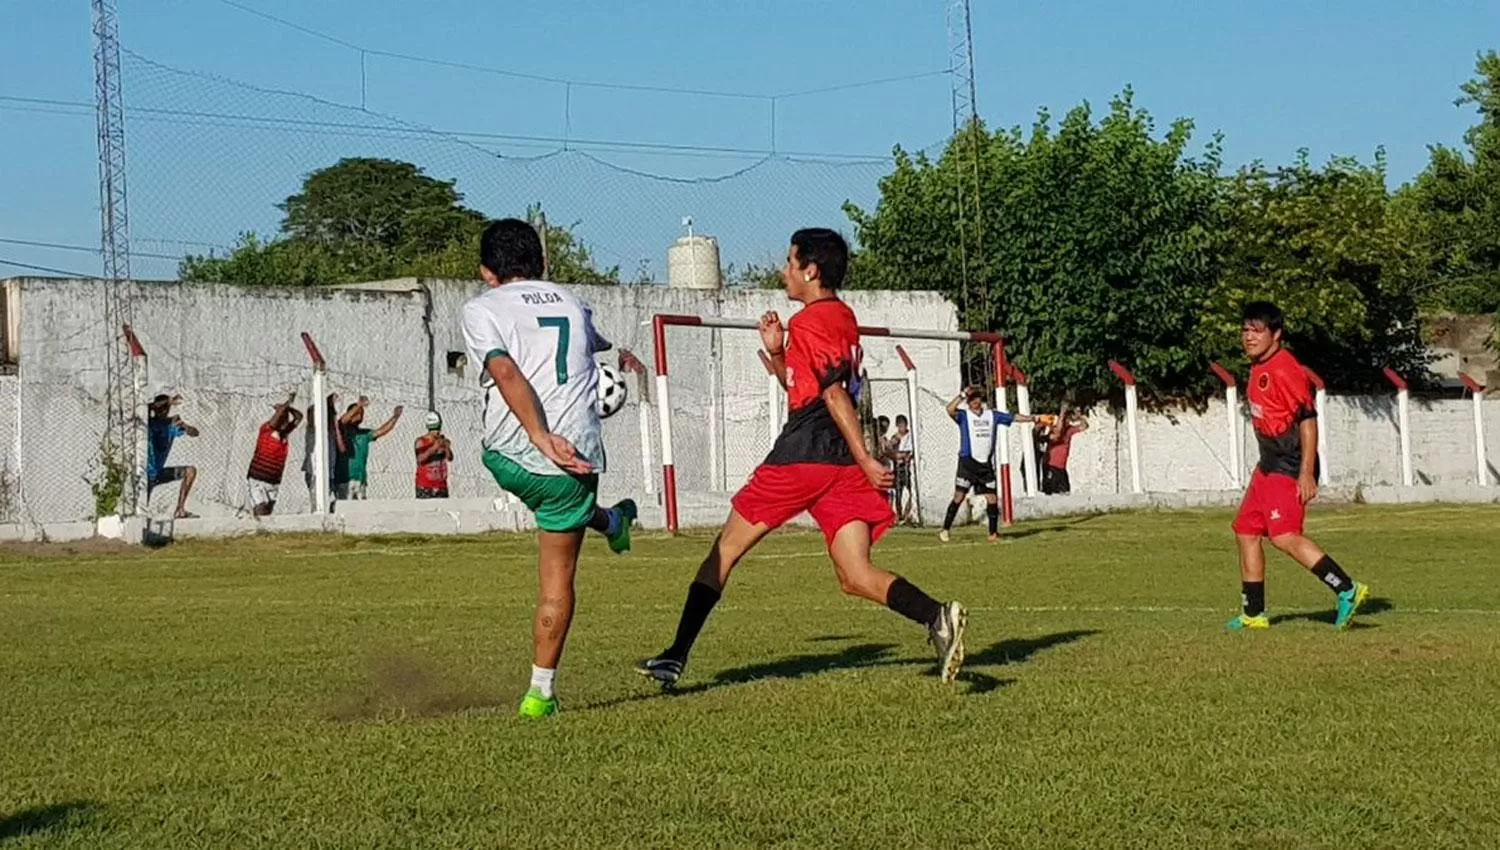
point(211, 159)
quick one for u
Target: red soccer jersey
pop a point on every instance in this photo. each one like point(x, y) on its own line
point(822, 350)
point(1280, 400)
point(270, 456)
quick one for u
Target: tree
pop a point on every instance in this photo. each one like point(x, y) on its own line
point(1332, 251)
point(1099, 243)
point(1455, 204)
point(372, 219)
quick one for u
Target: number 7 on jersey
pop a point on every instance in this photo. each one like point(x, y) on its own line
point(564, 336)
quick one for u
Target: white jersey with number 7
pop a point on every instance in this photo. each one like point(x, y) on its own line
point(549, 333)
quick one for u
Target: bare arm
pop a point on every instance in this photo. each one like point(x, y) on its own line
point(953, 405)
point(773, 340)
point(1307, 480)
point(778, 367)
point(426, 454)
point(187, 429)
point(390, 424)
point(522, 401)
point(841, 407)
point(296, 417)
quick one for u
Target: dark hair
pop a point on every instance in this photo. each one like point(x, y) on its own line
point(885, 419)
point(826, 248)
point(511, 249)
point(901, 418)
point(1265, 313)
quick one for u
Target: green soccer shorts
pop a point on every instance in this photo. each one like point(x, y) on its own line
point(560, 502)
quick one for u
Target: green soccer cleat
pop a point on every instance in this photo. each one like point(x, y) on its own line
point(1244, 622)
point(1349, 602)
point(619, 542)
point(536, 705)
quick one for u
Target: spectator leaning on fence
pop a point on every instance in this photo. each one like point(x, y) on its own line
point(1059, 437)
point(434, 453)
point(351, 471)
point(269, 461)
point(162, 430)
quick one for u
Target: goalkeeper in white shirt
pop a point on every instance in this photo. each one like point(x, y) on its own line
point(535, 342)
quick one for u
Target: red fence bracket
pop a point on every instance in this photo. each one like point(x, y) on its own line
point(1470, 384)
point(1223, 375)
point(132, 343)
point(1122, 373)
point(312, 351)
point(1396, 380)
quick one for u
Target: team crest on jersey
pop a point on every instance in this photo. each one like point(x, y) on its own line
point(1264, 381)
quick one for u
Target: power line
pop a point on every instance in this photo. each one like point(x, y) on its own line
point(562, 81)
point(58, 246)
point(48, 269)
point(554, 143)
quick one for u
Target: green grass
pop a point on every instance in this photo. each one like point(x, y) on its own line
point(320, 692)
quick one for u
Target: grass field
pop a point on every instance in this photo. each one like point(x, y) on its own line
point(326, 692)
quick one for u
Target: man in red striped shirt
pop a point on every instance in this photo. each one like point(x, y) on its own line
point(266, 465)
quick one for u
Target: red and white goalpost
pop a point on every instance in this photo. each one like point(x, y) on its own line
point(776, 405)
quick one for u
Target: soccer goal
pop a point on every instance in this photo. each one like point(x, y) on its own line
point(719, 408)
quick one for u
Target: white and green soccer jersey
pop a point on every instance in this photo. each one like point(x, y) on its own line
point(549, 333)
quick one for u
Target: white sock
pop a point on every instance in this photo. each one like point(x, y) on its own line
point(542, 678)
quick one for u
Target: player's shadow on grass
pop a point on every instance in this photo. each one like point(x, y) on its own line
point(1374, 605)
point(37, 819)
point(867, 655)
point(1048, 527)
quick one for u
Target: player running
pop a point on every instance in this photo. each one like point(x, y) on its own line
point(535, 344)
point(978, 430)
point(1286, 477)
point(818, 464)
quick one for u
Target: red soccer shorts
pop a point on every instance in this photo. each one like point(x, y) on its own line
point(834, 495)
point(1271, 508)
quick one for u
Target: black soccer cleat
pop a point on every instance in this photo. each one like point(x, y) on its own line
point(664, 670)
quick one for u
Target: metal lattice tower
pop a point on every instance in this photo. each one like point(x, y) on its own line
point(965, 120)
point(123, 428)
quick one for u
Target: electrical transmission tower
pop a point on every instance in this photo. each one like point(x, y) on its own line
point(966, 122)
point(122, 431)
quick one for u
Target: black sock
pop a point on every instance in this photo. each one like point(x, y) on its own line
point(1253, 597)
point(993, 512)
point(700, 600)
point(952, 515)
point(910, 602)
point(600, 521)
point(1332, 575)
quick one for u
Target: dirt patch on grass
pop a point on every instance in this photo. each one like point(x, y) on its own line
point(92, 548)
point(399, 685)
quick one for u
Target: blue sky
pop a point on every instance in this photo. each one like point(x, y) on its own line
point(1334, 76)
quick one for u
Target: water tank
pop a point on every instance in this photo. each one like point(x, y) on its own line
point(693, 263)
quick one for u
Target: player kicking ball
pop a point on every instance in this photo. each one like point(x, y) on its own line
point(818, 464)
point(1286, 479)
point(535, 344)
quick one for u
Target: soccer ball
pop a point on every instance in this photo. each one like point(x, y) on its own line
point(611, 391)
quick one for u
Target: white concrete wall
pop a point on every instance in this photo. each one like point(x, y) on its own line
point(1189, 451)
point(235, 352)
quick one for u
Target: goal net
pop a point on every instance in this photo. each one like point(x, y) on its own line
point(719, 410)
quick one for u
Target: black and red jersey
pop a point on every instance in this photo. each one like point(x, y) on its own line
point(269, 459)
point(822, 349)
point(1280, 400)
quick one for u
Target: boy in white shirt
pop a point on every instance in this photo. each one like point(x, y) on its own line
point(534, 343)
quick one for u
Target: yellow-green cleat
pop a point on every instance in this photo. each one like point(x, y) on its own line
point(536, 705)
point(1349, 602)
point(1245, 622)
